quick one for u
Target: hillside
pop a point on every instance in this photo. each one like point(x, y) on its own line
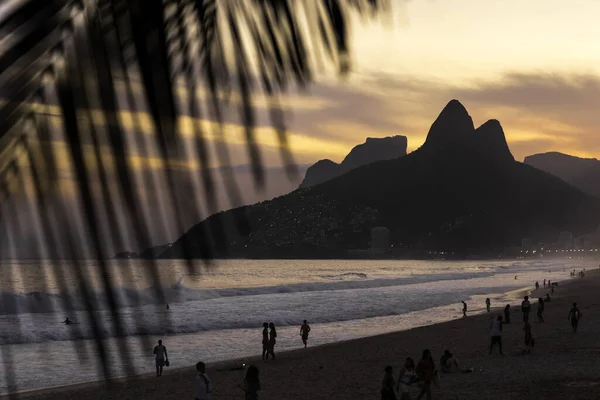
point(583, 173)
point(462, 192)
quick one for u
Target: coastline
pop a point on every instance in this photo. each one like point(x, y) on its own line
point(354, 367)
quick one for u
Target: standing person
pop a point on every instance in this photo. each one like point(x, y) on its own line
point(464, 308)
point(488, 304)
point(160, 353)
point(507, 314)
point(496, 334)
point(203, 383)
point(406, 378)
point(544, 282)
point(304, 330)
point(537, 285)
point(574, 316)
point(265, 341)
point(388, 384)
point(251, 384)
point(540, 310)
point(525, 308)
point(425, 370)
point(272, 341)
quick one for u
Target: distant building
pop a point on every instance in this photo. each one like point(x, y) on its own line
point(526, 244)
point(565, 240)
point(380, 239)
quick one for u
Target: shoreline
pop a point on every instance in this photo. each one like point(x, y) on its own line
point(228, 366)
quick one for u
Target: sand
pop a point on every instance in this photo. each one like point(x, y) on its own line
point(563, 365)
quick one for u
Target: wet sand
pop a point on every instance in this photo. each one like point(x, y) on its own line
point(563, 365)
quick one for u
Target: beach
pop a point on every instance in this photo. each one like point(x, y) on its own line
point(563, 365)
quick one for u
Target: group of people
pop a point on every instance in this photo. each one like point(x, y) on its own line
point(423, 375)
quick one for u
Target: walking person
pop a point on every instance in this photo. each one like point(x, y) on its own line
point(304, 331)
point(525, 308)
point(464, 309)
point(161, 357)
point(544, 283)
point(496, 334)
point(488, 304)
point(540, 310)
point(265, 341)
point(574, 316)
point(203, 383)
point(537, 285)
point(251, 384)
point(425, 370)
point(272, 340)
point(388, 384)
point(507, 314)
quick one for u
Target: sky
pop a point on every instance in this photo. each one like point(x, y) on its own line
point(534, 65)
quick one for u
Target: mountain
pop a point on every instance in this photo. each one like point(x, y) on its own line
point(374, 149)
point(583, 173)
point(461, 192)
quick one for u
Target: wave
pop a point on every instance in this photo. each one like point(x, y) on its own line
point(41, 302)
point(219, 314)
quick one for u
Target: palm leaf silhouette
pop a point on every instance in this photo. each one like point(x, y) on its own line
point(82, 63)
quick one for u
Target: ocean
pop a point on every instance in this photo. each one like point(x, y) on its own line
point(217, 314)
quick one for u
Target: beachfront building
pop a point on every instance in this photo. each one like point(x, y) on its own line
point(565, 241)
point(380, 239)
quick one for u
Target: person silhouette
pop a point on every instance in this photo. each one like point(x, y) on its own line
point(67, 321)
point(272, 340)
point(507, 314)
point(160, 353)
point(304, 331)
point(488, 304)
point(464, 310)
point(574, 316)
point(265, 341)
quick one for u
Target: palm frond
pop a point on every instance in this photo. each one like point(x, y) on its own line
point(69, 69)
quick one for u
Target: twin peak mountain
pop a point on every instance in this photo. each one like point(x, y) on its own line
point(453, 131)
point(462, 191)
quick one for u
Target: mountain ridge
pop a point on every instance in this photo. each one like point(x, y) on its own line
point(462, 192)
point(372, 150)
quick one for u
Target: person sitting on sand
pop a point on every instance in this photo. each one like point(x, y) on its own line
point(507, 314)
point(265, 341)
point(406, 378)
point(496, 334)
point(160, 353)
point(251, 384)
point(272, 340)
point(488, 304)
point(540, 310)
point(464, 308)
point(574, 316)
point(67, 321)
point(525, 308)
point(388, 384)
point(425, 370)
point(203, 383)
point(304, 330)
point(447, 362)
